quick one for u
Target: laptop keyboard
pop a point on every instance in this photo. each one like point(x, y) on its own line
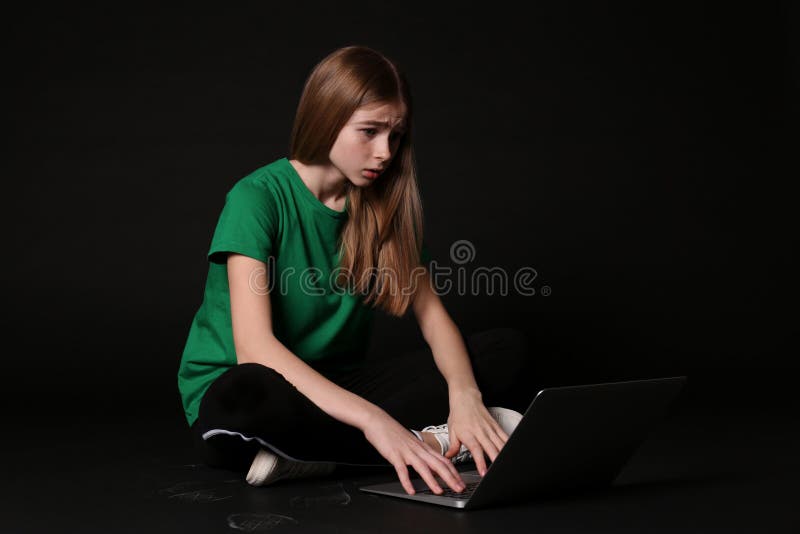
point(470, 487)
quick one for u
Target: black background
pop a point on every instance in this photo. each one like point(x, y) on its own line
point(639, 157)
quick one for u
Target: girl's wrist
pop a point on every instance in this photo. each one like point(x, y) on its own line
point(371, 414)
point(459, 393)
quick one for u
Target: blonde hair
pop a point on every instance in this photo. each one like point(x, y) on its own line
point(384, 229)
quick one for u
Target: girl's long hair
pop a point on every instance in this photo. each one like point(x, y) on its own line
point(380, 243)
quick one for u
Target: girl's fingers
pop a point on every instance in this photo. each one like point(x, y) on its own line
point(423, 463)
point(497, 444)
point(477, 454)
point(450, 467)
point(430, 462)
point(425, 472)
point(402, 474)
point(482, 441)
point(497, 436)
point(499, 431)
point(441, 461)
point(489, 446)
point(447, 471)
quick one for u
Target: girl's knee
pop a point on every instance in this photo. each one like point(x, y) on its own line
point(250, 384)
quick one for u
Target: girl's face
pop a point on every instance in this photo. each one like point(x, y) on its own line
point(368, 142)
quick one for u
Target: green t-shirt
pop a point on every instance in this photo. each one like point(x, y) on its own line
point(271, 215)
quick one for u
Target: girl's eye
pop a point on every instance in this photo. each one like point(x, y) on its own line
point(372, 131)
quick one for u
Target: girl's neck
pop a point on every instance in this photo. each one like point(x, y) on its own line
point(326, 182)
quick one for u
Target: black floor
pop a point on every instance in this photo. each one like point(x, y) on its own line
point(716, 464)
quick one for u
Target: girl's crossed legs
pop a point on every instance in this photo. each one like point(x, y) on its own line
point(252, 406)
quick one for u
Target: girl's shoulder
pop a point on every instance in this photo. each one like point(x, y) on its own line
point(269, 180)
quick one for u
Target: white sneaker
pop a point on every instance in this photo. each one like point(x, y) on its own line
point(507, 418)
point(268, 467)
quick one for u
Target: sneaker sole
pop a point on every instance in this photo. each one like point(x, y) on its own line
point(268, 467)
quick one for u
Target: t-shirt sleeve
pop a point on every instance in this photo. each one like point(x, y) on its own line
point(248, 223)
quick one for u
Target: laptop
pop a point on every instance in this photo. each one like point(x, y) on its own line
point(570, 438)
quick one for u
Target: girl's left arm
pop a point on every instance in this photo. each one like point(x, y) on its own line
point(469, 422)
point(444, 338)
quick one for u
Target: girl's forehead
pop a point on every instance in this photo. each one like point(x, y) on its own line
point(391, 115)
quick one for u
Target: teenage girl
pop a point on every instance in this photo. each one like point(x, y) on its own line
point(273, 377)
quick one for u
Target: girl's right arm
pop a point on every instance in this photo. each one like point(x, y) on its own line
point(254, 341)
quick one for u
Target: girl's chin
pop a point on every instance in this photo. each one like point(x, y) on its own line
point(361, 181)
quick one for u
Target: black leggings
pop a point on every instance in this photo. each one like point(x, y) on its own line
point(251, 406)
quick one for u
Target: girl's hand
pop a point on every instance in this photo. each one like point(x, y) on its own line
point(401, 448)
point(471, 423)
